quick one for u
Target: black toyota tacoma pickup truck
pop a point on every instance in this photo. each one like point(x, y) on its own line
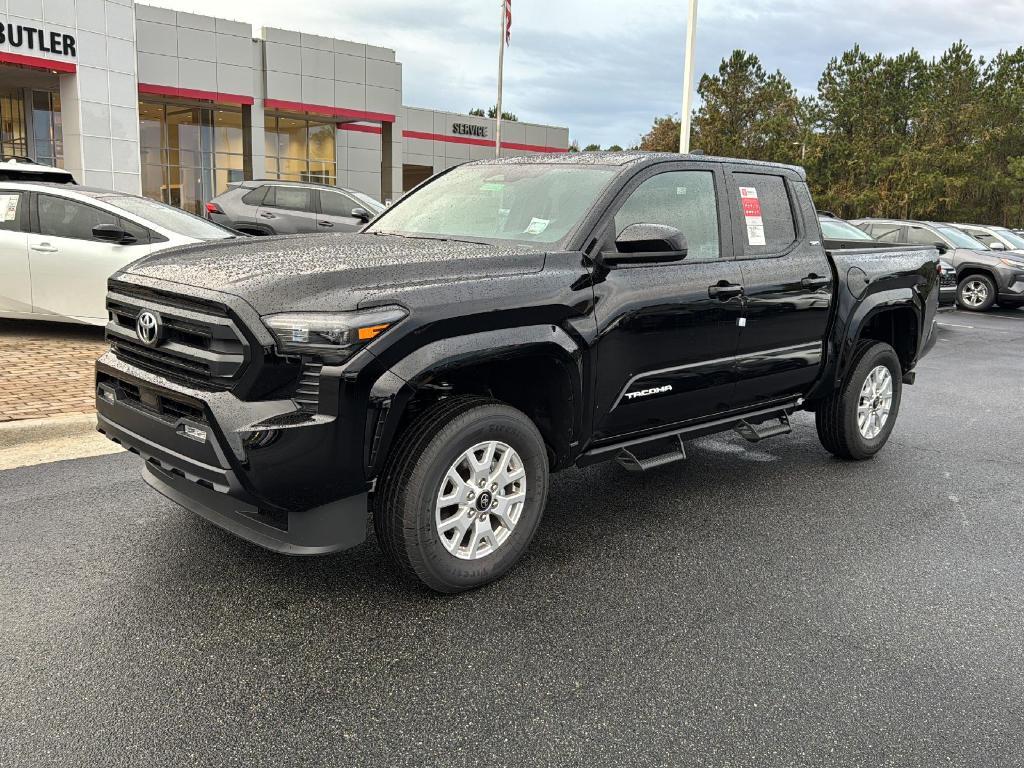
point(505, 320)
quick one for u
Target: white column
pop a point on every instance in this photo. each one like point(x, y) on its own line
point(100, 102)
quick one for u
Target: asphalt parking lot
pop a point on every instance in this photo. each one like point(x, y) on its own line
point(756, 606)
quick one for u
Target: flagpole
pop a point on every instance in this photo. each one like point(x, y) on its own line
point(691, 36)
point(501, 67)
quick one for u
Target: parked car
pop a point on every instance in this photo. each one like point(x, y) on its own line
point(984, 276)
point(266, 207)
point(18, 168)
point(569, 309)
point(59, 244)
point(838, 234)
point(996, 238)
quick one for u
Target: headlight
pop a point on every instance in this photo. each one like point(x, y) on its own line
point(332, 336)
point(1013, 264)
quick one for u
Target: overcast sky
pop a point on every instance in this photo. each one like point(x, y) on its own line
point(605, 68)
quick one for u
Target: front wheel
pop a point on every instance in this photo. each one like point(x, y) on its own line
point(462, 493)
point(857, 419)
point(976, 293)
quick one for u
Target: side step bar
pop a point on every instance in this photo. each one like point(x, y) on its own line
point(616, 450)
point(755, 433)
point(629, 460)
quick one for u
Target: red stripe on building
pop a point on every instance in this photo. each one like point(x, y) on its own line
point(191, 93)
point(359, 128)
point(479, 142)
point(34, 62)
point(323, 109)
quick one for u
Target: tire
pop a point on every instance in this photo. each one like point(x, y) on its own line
point(407, 510)
point(976, 293)
point(837, 418)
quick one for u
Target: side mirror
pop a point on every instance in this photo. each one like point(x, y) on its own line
point(647, 243)
point(995, 245)
point(361, 213)
point(941, 247)
point(111, 233)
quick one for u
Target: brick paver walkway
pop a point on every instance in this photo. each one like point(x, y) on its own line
point(46, 369)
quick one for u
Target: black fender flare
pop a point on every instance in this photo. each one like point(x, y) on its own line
point(391, 393)
point(846, 333)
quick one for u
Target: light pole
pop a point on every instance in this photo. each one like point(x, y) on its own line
point(691, 36)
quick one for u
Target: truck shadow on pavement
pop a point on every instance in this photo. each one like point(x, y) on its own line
point(601, 523)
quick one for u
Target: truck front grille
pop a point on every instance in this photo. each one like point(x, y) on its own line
point(198, 343)
point(307, 393)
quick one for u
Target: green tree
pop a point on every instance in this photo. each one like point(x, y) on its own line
point(614, 148)
point(865, 113)
point(592, 148)
point(663, 136)
point(491, 112)
point(746, 112)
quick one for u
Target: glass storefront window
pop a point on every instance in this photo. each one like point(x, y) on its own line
point(189, 152)
point(300, 150)
point(13, 134)
point(46, 128)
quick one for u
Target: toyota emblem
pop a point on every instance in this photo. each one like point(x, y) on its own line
point(147, 326)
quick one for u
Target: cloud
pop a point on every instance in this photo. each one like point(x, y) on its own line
point(605, 69)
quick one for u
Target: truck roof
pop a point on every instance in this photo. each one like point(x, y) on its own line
point(627, 158)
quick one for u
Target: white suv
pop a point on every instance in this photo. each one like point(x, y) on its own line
point(59, 244)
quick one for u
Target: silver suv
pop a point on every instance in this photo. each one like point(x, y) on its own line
point(270, 207)
point(984, 277)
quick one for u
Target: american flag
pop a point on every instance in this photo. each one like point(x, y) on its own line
point(508, 21)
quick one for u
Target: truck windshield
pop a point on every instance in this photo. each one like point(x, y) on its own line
point(961, 240)
point(538, 203)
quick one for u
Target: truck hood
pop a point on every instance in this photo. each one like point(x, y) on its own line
point(329, 271)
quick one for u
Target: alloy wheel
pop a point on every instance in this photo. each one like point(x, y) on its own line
point(875, 402)
point(480, 500)
point(974, 293)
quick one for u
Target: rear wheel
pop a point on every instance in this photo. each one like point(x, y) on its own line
point(976, 293)
point(462, 493)
point(857, 419)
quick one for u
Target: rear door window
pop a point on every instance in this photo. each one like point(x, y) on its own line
point(982, 236)
point(887, 233)
point(921, 236)
point(62, 217)
point(12, 211)
point(290, 199)
point(767, 223)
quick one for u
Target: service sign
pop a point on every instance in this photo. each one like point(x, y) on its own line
point(468, 129)
point(28, 40)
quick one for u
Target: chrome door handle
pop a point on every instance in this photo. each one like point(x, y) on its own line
point(44, 248)
point(268, 215)
point(325, 224)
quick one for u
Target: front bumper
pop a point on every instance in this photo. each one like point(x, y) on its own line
point(197, 453)
point(1012, 288)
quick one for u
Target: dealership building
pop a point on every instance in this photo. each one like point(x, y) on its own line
point(175, 105)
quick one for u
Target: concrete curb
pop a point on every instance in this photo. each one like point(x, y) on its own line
point(26, 431)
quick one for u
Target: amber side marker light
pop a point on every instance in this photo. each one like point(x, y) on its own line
point(372, 331)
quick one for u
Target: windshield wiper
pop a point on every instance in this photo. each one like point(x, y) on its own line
point(444, 238)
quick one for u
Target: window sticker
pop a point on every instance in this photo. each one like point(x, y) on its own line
point(752, 215)
point(9, 207)
point(536, 226)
